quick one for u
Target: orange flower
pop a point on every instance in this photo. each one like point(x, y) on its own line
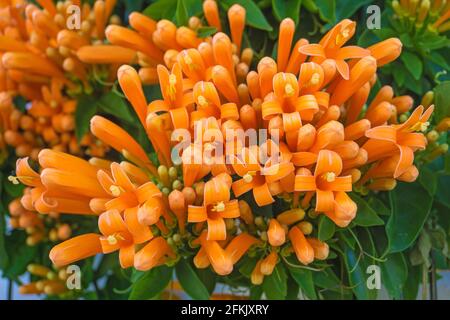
point(329, 187)
point(330, 47)
point(216, 206)
point(77, 248)
point(384, 141)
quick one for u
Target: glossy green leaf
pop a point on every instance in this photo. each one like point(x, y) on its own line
point(326, 279)
point(327, 10)
point(365, 216)
point(86, 109)
point(114, 105)
point(204, 32)
point(410, 205)
point(346, 8)
point(286, 9)
point(357, 275)
point(190, 281)
point(428, 180)
point(181, 13)
point(411, 285)
point(326, 228)
point(412, 63)
point(394, 273)
point(441, 101)
point(443, 190)
point(254, 16)
point(151, 284)
point(304, 278)
point(161, 9)
point(275, 285)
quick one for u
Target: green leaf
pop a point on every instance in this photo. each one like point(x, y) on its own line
point(326, 279)
point(394, 273)
point(151, 283)
point(161, 9)
point(327, 10)
point(304, 278)
point(292, 290)
point(181, 14)
point(286, 9)
point(254, 16)
point(412, 63)
point(411, 285)
point(190, 281)
point(441, 101)
point(112, 104)
point(208, 278)
point(20, 255)
point(256, 292)
point(357, 275)
point(378, 206)
point(275, 285)
point(410, 205)
point(346, 8)
point(443, 190)
point(204, 32)
point(428, 180)
point(86, 109)
point(326, 228)
point(248, 265)
point(365, 216)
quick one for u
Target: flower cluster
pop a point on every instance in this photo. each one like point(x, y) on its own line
point(49, 63)
point(435, 14)
point(201, 195)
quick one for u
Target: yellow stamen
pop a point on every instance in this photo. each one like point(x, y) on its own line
point(13, 179)
point(329, 176)
point(202, 101)
point(219, 207)
point(115, 190)
point(315, 78)
point(289, 90)
point(112, 240)
point(420, 126)
point(247, 177)
point(172, 90)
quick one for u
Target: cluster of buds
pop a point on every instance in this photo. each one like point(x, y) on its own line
point(324, 139)
point(435, 14)
point(49, 281)
point(47, 62)
point(162, 42)
point(38, 227)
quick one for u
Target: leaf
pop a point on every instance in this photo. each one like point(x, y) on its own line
point(327, 10)
point(248, 265)
point(256, 292)
point(254, 16)
point(161, 9)
point(208, 278)
point(441, 101)
point(394, 273)
point(112, 104)
point(286, 9)
point(292, 290)
point(443, 192)
point(428, 180)
point(20, 255)
point(356, 275)
point(181, 13)
point(365, 216)
point(411, 285)
point(378, 206)
point(151, 283)
point(86, 109)
point(190, 281)
point(326, 279)
point(275, 285)
point(326, 228)
point(410, 205)
point(412, 63)
point(304, 278)
point(346, 8)
point(204, 32)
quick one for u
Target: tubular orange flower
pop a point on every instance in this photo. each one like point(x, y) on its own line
point(216, 206)
point(75, 249)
